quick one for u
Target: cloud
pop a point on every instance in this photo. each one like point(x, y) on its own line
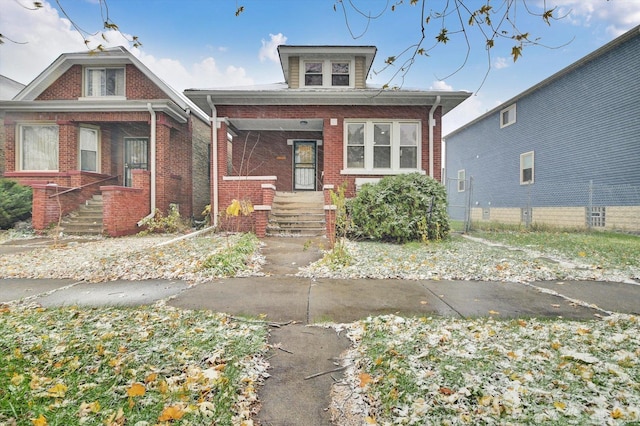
point(269, 49)
point(440, 85)
point(472, 108)
point(620, 16)
point(44, 35)
point(500, 63)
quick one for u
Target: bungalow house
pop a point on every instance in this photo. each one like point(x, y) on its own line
point(101, 126)
point(275, 146)
point(564, 152)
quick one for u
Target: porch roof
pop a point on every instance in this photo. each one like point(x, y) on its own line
point(159, 105)
point(279, 94)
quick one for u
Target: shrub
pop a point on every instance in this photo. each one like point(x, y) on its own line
point(15, 203)
point(402, 208)
point(170, 224)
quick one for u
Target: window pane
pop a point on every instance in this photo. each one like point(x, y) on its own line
point(355, 134)
point(382, 134)
point(527, 175)
point(312, 80)
point(95, 82)
point(39, 148)
point(382, 157)
point(340, 68)
point(114, 82)
point(409, 134)
point(340, 80)
point(88, 149)
point(408, 157)
point(313, 68)
point(313, 74)
point(355, 157)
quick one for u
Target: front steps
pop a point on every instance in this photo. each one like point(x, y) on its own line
point(297, 214)
point(87, 220)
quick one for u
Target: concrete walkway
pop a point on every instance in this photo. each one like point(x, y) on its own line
point(289, 396)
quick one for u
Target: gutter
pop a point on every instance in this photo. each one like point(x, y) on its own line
point(432, 124)
point(152, 148)
point(214, 160)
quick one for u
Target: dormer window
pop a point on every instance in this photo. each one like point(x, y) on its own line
point(313, 74)
point(327, 73)
point(340, 73)
point(102, 82)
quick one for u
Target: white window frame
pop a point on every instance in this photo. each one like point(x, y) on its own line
point(394, 168)
point(20, 165)
point(89, 95)
point(327, 72)
point(96, 131)
point(523, 157)
point(510, 113)
point(462, 182)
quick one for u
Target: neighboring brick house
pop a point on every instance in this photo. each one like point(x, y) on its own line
point(321, 128)
point(103, 123)
point(565, 152)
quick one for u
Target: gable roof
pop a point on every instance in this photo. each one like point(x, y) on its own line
point(9, 88)
point(111, 56)
point(635, 32)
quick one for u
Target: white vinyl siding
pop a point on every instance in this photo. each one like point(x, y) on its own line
point(382, 146)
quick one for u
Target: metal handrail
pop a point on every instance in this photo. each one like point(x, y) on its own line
point(83, 186)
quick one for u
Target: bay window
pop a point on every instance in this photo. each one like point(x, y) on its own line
point(38, 147)
point(382, 146)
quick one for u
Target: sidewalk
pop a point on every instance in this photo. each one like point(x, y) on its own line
point(299, 351)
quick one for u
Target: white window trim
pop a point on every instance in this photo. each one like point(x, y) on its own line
point(533, 168)
point(326, 72)
point(99, 148)
point(509, 109)
point(85, 84)
point(463, 187)
point(18, 136)
point(395, 148)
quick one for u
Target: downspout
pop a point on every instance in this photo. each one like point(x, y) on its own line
point(432, 124)
point(152, 164)
point(214, 159)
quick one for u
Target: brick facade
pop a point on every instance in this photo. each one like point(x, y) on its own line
point(179, 166)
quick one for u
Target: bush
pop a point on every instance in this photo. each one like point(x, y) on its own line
point(171, 224)
point(15, 203)
point(402, 208)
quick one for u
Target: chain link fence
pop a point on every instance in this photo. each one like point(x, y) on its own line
point(570, 204)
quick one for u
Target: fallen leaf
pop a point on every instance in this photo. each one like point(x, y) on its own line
point(151, 378)
point(370, 420)
point(559, 405)
point(173, 412)
point(365, 379)
point(136, 389)
point(40, 421)
point(57, 391)
point(446, 391)
point(492, 312)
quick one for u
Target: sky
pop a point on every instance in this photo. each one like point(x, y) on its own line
point(203, 44)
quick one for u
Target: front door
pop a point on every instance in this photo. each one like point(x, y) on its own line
point(304, 165)
point(136, 156)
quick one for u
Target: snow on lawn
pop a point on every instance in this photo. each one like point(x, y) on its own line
point(485, 371)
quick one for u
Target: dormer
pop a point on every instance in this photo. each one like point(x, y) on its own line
point(326, 67)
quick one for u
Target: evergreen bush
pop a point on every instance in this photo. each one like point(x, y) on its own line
point(402, 208)
point(15, 203)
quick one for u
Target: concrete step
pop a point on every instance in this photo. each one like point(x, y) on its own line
point(86, 220)
point(297, 214)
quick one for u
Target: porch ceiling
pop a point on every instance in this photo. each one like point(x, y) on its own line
point(302, 124)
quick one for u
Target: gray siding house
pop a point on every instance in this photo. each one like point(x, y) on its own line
point(565, 152)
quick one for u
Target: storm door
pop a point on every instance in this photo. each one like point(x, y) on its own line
point(304, 165)
point(136, 156)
